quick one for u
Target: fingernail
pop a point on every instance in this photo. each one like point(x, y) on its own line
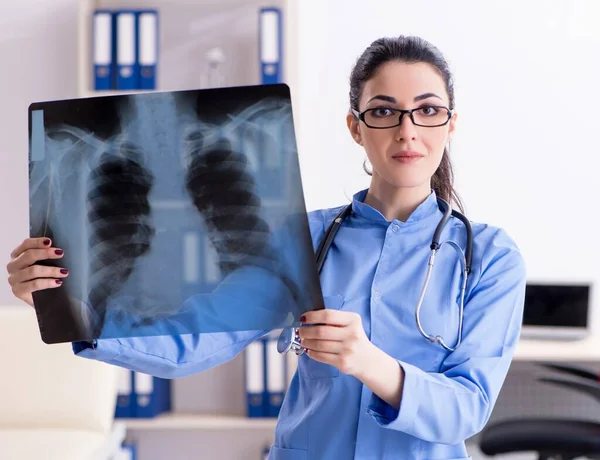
point(302, 318)
point(64, 271)
point(59, 282)
point(46, 242)
point(59, 252)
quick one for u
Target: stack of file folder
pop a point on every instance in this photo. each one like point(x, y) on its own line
point(141, 395)
point(125, 49)
point(267, 375)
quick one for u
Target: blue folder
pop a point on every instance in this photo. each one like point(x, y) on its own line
point(125, 407)
point(147, 40)
point(276, 376)
point(152, 394)
point(128, 451)
point(102, 50)
point(127, 71)
point(255, 378)
point(270, 45)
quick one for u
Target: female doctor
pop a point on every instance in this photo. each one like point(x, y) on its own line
point(370, 385)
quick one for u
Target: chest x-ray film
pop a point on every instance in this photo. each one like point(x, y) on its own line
point(179, 212)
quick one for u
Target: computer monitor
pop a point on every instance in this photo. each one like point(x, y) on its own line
point(556, 311)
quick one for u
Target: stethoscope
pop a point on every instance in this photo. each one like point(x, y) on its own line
point(289, 340)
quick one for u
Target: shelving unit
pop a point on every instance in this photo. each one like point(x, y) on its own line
point(200, 422)
point(208, 410)
point(204, 405)
point(190, 36)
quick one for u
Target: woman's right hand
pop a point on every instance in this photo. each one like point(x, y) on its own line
point(25, 276)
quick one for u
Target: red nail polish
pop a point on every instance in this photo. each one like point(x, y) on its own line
point(46, 242)
point(59, 282)
point(64, 271)
point(302, 318)
point(59, 252)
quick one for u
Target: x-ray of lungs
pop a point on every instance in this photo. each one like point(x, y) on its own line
point(179, 212)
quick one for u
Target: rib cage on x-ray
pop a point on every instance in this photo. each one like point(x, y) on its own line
point(224, 192)
point(123, 204)
point(116, 228)
point(119, 220)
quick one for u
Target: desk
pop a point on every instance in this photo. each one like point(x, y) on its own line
point(587, 349)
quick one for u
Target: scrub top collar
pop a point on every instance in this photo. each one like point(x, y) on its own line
point(426, 209)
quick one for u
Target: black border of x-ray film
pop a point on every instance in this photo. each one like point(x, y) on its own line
point(55, 316)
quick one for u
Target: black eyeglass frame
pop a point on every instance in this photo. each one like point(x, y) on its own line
point(361, 116)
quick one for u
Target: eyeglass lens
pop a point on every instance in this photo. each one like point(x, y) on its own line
point(384, 117)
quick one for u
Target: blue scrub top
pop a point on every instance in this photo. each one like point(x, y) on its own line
point(376, 268)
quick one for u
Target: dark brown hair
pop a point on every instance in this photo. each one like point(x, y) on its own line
point(408, 49)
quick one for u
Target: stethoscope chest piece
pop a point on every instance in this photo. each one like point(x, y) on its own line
point(289, 340)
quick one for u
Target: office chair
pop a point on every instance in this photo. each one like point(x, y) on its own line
point(550, 438)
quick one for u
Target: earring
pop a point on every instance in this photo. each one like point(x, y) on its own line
point(365, 166)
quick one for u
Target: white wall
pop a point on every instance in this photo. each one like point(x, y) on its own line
point(39, 61)
point(526, 153)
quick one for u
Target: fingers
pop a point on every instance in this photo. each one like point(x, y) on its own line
point(36, 271)
point(330, 317)
point(30, 243)
point(35, 278)
point(326, 339)
point(324, 346)
point(25, 276)
point(31, 256)
point(23, 290)
point(324, 332)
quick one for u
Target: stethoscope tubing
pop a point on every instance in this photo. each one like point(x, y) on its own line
point(334, 227)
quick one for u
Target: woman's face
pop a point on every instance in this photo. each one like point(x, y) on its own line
point(398, 85)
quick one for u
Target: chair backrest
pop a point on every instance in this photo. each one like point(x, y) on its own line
point(47, 386)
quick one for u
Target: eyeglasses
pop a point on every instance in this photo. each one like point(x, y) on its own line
point(429, 116)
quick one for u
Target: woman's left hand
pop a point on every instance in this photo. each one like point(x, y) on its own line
point(339, 340)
